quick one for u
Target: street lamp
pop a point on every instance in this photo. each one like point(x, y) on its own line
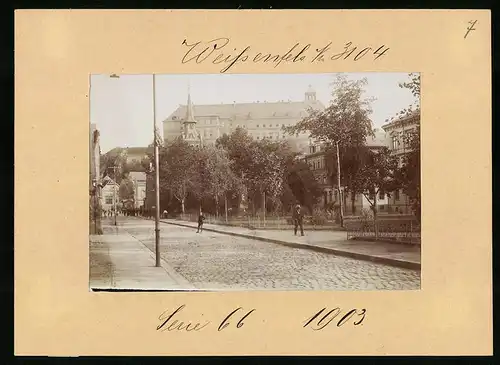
point(338, 184)
point(157, 174)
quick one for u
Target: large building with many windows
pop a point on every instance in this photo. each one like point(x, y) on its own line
point(397, 132)
point(262, 120)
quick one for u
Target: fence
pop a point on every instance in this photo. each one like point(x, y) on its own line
point(404, 229)
point(257, 222)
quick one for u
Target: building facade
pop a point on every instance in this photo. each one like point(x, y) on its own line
point(398, 131)
point(109, 195)
point(139, 180)
point(262, 120)
point(316, 159)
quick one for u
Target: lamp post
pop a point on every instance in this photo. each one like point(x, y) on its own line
point(338, 185)
point(114, 193)
point(157, 179)
point(157, 175)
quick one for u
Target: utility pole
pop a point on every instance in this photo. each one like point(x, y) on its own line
point(114, 193)
point(157, 174)
point(338, 185)
point(157, 179)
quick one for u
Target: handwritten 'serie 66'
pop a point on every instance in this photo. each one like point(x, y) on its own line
point(236, 319)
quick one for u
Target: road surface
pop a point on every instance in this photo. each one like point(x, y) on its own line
point(215, 261)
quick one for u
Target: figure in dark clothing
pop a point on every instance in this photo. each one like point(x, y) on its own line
point(201, 218)
point(298, 219)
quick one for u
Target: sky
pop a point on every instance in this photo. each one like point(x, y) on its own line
point(122, 108)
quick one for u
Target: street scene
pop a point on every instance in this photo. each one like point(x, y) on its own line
point(255, 182)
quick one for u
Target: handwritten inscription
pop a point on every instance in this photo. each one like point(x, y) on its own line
point(220, 52)
point(470, 28)
point(168, 322)
point(171, 321)
point(323, 318)
point(240, 323)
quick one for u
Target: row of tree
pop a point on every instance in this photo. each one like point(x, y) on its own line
point(237, 172)
point(267, 175)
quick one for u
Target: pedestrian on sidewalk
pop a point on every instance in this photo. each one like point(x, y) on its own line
point(201, 218)
point(165, 214)
point(298, 219)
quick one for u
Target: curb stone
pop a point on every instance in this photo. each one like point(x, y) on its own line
point(355, 255)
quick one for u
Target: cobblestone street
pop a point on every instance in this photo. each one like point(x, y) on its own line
point(217, 261)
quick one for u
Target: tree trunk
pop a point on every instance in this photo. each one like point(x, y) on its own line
point(353, 203)
point(225, 206)
point(375, 216)
point(216, 207)
point(264, 206)
point(182, 205)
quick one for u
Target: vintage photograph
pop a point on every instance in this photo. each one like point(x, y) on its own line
point(238, 182)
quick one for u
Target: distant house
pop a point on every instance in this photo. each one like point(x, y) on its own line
point(316, 158)
point(136, 154)
point(139, 180)
point(109, 193)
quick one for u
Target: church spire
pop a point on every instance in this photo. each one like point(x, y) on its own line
point(190, 134)
point(189, 111)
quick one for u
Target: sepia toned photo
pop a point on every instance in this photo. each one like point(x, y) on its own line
point(223, 182)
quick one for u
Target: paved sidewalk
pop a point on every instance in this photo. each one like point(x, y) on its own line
point(120, 261)
point(334, 242)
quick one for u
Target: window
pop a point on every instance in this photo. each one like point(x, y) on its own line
point(381, 195)
point(277, 125)
point(257, 126)
point(109, 199)
point(394, 143)
point(396, 195)
point(263, 125)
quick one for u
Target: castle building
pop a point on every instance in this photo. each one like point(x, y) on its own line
point(262, 120)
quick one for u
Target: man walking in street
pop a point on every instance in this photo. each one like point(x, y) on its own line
point(298, 219)
point(201, 218)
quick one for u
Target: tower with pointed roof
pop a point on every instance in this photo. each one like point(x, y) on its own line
point(310, 94)
point(189, 132)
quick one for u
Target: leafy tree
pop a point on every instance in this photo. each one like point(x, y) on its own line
point(302, 184)
point(113, 163)
point(345, 124)
point(377, 176)
point(177, 170)
point(218, 174)
point(127, 189)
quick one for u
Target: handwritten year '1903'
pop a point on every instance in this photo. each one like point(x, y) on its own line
point(218, 51)
point(318, 322)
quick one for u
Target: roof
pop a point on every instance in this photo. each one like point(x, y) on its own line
point(409, 116)
point(137, 150)
point(136, 175)
point(253, 110)
point(379, 140)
